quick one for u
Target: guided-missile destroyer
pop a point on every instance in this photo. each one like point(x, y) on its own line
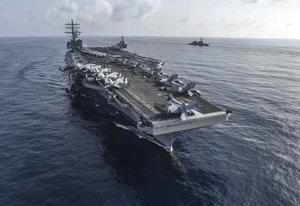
point(157, 104)
point(198, 43)
point(121, 45)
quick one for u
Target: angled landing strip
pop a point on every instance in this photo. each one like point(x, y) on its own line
point(142, 100)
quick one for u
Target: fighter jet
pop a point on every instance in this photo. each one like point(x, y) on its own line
point(173, 106)
point(118, 83)
point(184, 88)
point(168, 80)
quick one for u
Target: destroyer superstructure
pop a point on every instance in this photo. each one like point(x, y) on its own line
point(122, 44)
point(156, 103)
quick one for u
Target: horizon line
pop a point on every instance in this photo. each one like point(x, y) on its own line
point(164, 36)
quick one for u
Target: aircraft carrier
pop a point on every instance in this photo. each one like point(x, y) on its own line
point(156, 103)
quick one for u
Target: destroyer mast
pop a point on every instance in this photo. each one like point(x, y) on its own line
point(72, 30)
point(122, 44)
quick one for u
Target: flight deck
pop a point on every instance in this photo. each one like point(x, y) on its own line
point(156, 103)
point(142, 92)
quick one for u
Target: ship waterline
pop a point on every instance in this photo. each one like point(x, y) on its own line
point(156, 103)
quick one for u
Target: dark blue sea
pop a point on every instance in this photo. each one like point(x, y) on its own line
point(54, 151)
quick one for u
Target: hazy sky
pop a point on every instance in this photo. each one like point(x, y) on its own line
point(207, 18)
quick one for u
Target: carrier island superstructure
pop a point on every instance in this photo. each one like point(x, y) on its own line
point(157, 104)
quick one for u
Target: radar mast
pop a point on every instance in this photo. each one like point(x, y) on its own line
point(72, 30)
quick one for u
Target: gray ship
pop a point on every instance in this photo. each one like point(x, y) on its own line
point(121, 45)
point(156, 103)
point(72, 29)
point(198, 43)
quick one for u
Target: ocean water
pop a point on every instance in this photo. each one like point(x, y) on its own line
point(55, 151)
